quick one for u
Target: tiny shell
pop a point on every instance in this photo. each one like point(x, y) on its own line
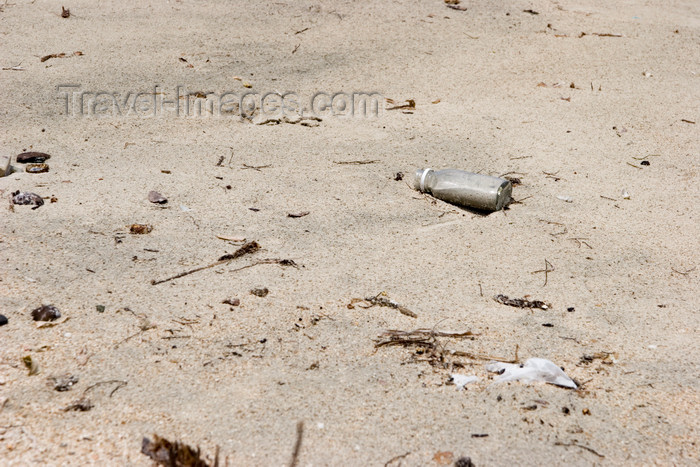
point(46, 313)
point(27, 157)
point(37, 168)
point(157, 198)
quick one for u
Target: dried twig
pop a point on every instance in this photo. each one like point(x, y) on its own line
point(546, 270)
point(248, 248)
point(395, 458)
point(297, 445)
point(683, 273)
point(378, 300)
point(559, 443)
point(14, 67)
point(364, 162)
point(120, 384)
point(435, 351)
point(409, 105)
point(581, 241)
point(256, 167)
point(520, 302)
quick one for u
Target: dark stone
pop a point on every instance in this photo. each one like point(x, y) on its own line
point(36, 157)
point(46, 313)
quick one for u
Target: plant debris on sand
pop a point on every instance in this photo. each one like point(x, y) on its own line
point(174, 454)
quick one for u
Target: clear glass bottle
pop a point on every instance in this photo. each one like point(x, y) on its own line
point(466, 189)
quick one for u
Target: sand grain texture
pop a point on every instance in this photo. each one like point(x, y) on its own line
point(208, 374)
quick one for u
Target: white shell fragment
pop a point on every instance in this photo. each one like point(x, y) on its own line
point(533, 370)
point(462, 380)
point(625, 194)
point(568, 199)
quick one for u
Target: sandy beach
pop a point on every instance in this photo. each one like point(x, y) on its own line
point(299, 126)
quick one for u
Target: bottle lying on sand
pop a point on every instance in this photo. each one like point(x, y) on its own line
point(467, 189)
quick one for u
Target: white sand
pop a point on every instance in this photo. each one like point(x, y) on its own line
point(365, 233)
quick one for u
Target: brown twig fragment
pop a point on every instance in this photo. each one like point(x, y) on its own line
point(355, 162)
point(683, 273)
point(256, 167)
point(120, 384)
point(431, 349)
point(297, 445)
point(521, 302)
point(396, 458)
point(409, 105)
point(581, 241)
point(61, 55)
point(546, 270)
point(559, 443)
point(248, 248)
point(378, 300)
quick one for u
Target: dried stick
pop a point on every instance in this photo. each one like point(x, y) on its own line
point(248, 248)
point(297, 445)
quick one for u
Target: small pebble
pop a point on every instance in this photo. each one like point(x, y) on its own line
point(46, 313)
point(260, 292)
point(3, 320)
point(32, 157)
point(156, 198)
